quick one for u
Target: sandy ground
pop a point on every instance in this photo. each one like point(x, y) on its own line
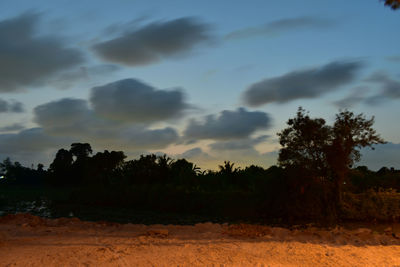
point(26, 240)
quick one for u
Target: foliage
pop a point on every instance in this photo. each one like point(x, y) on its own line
point(304, 142)
point(294, 192)
point(324, 154)
point(393, 4)
point(371, 205)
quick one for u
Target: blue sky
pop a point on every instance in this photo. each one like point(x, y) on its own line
point(205, 80)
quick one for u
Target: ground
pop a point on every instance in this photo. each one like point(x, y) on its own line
point(27, 240)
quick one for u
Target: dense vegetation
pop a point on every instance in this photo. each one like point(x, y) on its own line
point(314, 182)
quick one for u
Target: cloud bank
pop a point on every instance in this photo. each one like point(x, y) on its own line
point(74, 117)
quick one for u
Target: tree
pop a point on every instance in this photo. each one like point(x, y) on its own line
point(81, 150)
point(227, 168)
point(349, 134)
point(303, 144)
point(60, 169)
point(394, 4)
point(103, 167)
point(326, 152)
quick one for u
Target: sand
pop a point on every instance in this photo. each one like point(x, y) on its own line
point(26, 240)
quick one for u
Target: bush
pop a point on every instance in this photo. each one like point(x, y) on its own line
point(381, 205)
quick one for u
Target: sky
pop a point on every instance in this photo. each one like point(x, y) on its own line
point(205, 80)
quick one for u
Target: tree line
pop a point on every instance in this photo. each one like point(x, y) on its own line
point(315, 179)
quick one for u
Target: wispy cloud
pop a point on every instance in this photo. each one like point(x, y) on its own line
point(394, 58)
point(281, 26)
point(12, 128)
point(11, 106)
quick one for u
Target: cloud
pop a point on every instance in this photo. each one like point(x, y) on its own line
point(64, 116)
point(154, 42)
point(228, 125)
point(389, 90)
point(384, 155)
point(30, 145)
point(356, 97)
point(281, 26)
point(12, 128)
point(242, 152)
point(27, 59)
point(11, 106)
point(308, 83)
point(130, 100)
point(393, 58)
point(247, 144)
point(194, 153)
point(390, 87)
point(74, 118)
point(67, 79)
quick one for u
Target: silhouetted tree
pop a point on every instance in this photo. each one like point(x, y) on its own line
point(303, 144)
point(103, 167)
point(184, 172)
point(393, 4)
point(148, 169)
point(349, 134)
point(323, 152)
point(15, 173)
point(81, 150)
point(61, 168)
point(227, 168)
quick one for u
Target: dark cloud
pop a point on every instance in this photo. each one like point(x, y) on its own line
point(74, 117)
point(27, 59)
point(11, 106)
point(12, 128)
point(130, 100)
point(228, 125)
point(281, 26)
point(64, 116)
point(384, 155)
point(245, 144)
point(153, 42)
point(308, 83)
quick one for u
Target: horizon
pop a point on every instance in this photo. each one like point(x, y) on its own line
point(203, 81)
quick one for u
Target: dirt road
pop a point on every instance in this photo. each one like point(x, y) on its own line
point(27, 240)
